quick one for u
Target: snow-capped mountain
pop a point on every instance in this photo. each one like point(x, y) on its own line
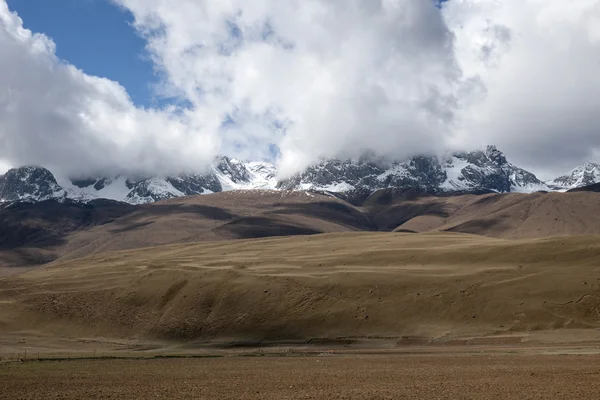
point(156, 189)
point(584, 175)
point(227, 174)
point(486, 170)
point(37, 184)
point(476, 171)
point(29, 184)
point(239, 175)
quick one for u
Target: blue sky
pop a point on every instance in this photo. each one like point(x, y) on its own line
point(95, 36)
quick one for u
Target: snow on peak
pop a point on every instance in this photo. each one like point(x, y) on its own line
point(239, 175)
point(29, 184)
point(486, 170)
point(151, 190)
point(475, 171)
point(584, 175)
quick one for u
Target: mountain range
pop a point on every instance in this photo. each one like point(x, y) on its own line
point(483, 171)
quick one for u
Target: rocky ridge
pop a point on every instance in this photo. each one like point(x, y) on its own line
point(485, 170)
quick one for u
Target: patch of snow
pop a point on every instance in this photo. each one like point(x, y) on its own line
point(454, 172)
point(337, 187)
point(160, 189)
point(115, 190)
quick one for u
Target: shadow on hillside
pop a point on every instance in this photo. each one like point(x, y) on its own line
point(15, 235)
point(392, 217)
point(476, 227)
point(209, 212)
point(339, 213)
point(260, 227)
point(147, 215)
point(30, 231)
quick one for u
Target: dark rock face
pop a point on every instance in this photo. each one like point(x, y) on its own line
point(29, 184)
point(417, 173)
point(333, 172)
point(83, 183)
point(99, 183)
point(196, 184)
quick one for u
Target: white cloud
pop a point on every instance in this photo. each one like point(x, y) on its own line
point(53, 114)
point(341, 76)
point(317, 78)
point(539, 61)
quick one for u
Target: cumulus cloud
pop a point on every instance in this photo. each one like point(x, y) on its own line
point(55, 115)
point(317, 78)
point(305, 79)
point(539, 62)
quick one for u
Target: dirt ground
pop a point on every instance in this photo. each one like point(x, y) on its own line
point(317, 377)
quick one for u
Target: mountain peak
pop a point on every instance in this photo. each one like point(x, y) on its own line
point(495, 155)
point(485, 170)
point(586, 174)
point(29, 183)
point(482, 170)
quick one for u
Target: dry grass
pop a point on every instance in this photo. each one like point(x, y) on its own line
point(37, 234)
point(361, 285)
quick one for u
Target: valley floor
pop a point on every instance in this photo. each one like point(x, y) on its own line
point(338, 316)
point(445, 376)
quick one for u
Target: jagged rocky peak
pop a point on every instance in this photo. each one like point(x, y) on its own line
point(30, 183)
point(235, 174)
point(494, 155)
point(584, 175)
point(476, 171)
point(420, 172)
point(236, 170)
point(263, 170)
point(335, 175)
point(482, 170)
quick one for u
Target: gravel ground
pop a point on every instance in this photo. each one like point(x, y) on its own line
point(358, 377)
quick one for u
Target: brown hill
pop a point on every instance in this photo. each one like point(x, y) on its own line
point(39, 233)
point(326, 286)
point(512, 216)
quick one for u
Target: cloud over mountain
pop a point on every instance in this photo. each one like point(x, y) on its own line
point(538, 61)
point(308, 79)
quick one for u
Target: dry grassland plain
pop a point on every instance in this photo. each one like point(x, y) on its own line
point(505, 314)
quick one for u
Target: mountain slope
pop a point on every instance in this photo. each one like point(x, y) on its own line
point(352, 285)
point(50, 230)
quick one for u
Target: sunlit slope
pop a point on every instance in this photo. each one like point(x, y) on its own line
point(336, 285)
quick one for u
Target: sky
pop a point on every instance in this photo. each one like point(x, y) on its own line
point(97, 37)
point(100, 87)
